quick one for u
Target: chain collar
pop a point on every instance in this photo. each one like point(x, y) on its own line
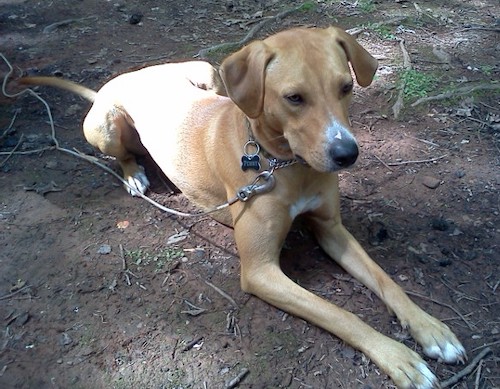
point(252, 160)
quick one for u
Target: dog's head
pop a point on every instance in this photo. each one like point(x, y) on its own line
point(296, 87)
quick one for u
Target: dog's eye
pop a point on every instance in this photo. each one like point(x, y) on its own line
point(347, 88)
point(295, 99)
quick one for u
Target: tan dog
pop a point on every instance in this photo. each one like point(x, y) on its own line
point(288, 97)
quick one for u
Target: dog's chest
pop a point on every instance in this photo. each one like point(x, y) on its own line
point(304, 204)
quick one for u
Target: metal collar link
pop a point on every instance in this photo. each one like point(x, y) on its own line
point(274, 163)
point(245, 193)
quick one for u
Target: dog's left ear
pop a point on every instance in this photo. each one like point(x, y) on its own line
point(362, 62)
point(244, 74)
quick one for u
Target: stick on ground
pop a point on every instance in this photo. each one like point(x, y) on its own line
point(467, 370)
point(232, 46)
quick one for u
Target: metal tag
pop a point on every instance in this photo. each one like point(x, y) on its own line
point(250, 158)
point(250, 162)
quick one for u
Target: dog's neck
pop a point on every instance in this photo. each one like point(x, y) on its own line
point(272, 148)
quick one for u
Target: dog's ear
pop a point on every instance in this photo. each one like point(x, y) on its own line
point(244, 74)
point(362, 62)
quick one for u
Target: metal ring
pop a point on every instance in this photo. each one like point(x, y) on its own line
point(251, 143)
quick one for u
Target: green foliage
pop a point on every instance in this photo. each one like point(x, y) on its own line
point(384, 31)
point(416, 84)
point(308, 6)
point(487, 69)
point(159, 258)
point(367, 6)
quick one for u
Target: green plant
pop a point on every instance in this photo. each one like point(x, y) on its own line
point(487, 69)
point(416, 84)
point(159, 258)
point(367, 6)
point(384, 31)
point(307, 6)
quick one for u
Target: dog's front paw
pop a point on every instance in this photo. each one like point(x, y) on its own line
point(137, 183)
point(406, 368)
point(438, 341)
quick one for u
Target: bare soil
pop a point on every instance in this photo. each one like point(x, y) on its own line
point(94, 293)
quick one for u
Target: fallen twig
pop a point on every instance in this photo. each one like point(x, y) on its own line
point(7, 130)
point(122, 255)
point(191, 344)
point(479, 28)
point(467, 370)
point(478, 374)
point(485, 345)
point(223, 294)
point(382, 162)
point(194, 311)
point(399, 104)
point(232, 46)
point(8, 296)
point(417, 161)
point(237, 380)
point(92, 354)
point(13, 151)
point(466, 90)
point(56, 25)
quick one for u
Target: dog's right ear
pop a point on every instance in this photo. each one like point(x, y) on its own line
point(244, 74)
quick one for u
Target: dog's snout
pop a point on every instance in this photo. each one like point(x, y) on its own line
point(344, 154)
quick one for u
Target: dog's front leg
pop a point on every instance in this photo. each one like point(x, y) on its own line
point(435, 337)
point(259, 234)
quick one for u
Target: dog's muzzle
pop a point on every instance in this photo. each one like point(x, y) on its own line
point(342, 148)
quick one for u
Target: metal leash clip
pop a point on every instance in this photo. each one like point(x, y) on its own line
point(247, 192)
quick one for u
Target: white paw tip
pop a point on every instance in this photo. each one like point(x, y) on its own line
point(431, 380)
point(138, 183)
point(448, 353)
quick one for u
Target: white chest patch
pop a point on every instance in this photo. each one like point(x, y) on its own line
point(303, 205)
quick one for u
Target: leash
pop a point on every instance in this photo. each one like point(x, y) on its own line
point(264, 182)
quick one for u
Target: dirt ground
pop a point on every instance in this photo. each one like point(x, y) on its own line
point(101, 290)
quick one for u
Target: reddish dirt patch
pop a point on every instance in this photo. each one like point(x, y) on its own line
point(93, 296)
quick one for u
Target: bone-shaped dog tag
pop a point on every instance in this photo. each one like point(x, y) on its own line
point(250, 158)
point(250, 162)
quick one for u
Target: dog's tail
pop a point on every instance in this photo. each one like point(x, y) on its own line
point(60, 83)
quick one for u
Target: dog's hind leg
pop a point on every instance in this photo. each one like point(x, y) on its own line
point(112, 131)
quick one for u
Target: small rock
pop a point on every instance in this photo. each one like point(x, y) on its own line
point(177, 237)
point(440, 224)
point(431, 182)
point(348, 353)
point(51, 165)
point(65, 339)
point(135, 18)
point(456, 232)
point(443, 262)
point(104, 249)
point(442, 55)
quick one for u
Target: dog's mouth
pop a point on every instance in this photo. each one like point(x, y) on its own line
point(301, 160)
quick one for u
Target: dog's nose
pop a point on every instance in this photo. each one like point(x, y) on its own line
point(344, 154)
